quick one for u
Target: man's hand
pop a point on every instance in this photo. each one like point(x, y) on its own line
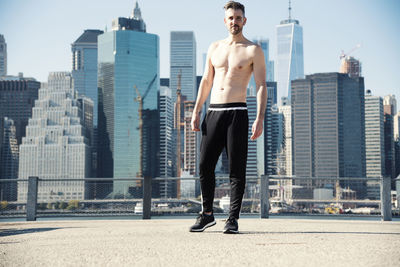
point(195, 122)
point(257, 129)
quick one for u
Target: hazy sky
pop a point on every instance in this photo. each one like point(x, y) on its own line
point(39, 33)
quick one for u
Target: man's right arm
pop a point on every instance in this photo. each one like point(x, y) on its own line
point(204, 89)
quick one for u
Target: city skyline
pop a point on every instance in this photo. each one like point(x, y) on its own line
point(328, 29)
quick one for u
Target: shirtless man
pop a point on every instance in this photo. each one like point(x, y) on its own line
point(230, 63)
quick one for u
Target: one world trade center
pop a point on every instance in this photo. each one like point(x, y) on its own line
point(290, 59)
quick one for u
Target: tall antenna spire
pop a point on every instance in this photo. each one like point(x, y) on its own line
point(137, 14)
point(290, 11)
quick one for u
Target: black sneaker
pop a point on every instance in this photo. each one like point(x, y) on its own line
point(203, 221)
point(231, 226)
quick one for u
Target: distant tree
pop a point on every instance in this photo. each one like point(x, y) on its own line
point(3, 205)
point(62, 205)
point(73, 204)
point(42, 206)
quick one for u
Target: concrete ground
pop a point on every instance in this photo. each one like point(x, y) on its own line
point(167, 242)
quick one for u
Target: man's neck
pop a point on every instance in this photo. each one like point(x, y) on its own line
point(238, 38)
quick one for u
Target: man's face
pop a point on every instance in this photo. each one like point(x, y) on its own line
point(234, 20)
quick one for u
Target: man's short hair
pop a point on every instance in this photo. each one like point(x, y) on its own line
point(234, 5)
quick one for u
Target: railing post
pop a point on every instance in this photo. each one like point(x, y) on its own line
point(31, 203)
point(264, 197)
point(146, 198)
point(386, 205)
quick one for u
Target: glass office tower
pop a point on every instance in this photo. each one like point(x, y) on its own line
point(183, 61)
point(84, 66)
point(127, 59)
point(289, 60)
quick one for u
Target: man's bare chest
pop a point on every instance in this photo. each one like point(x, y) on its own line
point(231, 58)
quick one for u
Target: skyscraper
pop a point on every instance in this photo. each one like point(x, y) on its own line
point(284, 154)
point(167, 148)
point(396, 126)
point(269, 128)
point(276, 162)
point(351, 66)
point(396, 135)
point(17, 98)
point(374, 136)
point(1, 135)
point(289, 59)
point(86, 106)
point(390, 105)
point(128, 82)
point(3, 56)
point(397, 156)
point(328, 126)
point(190, 156)
point(374, 142)
point(8, 160)
point(84, 73)
point(183, 60)
point(255, 153)
point(55, 146)
point(389, 110)
point(286, 111)
point(151, 147)
point(84, 66)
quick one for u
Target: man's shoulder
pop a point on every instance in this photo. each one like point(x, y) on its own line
point(217, 43)
point(252, 45)
point(214, 46)
point(253, 48)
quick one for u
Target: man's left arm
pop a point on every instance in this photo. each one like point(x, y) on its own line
point(259, 70)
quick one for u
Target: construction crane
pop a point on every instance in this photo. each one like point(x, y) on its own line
point(178, 125)
point(140, 100)
point(344, 55)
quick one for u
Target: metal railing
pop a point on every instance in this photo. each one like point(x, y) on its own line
point(383, 201)
point(264, 195)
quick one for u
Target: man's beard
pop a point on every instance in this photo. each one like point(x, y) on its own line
point(236, 29)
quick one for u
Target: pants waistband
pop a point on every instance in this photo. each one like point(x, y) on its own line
point(228, 106)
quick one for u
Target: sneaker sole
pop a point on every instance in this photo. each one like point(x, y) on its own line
point(205, 227)
point(230, 231)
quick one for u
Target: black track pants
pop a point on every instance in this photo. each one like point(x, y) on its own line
point(225, 125)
